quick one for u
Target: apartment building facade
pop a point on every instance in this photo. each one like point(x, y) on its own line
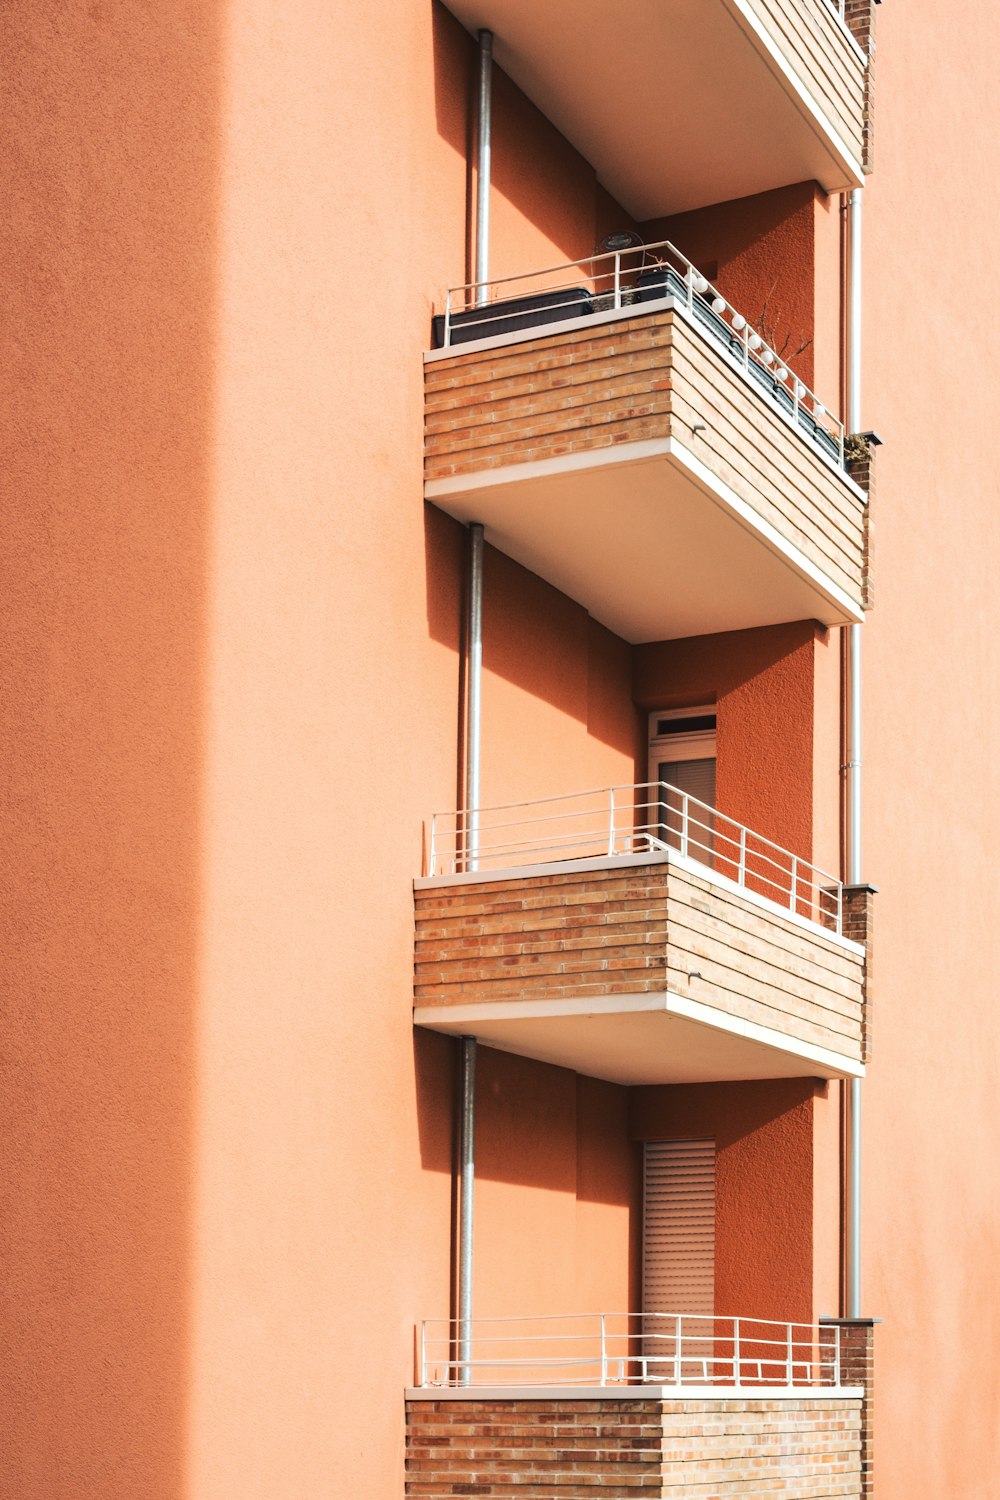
point(459, 720)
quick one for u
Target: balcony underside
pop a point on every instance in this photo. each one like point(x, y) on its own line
point(662, 98)
point(639, 1039)
point(650, 542)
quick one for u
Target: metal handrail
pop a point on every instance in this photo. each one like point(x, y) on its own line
point(602, 1349)
point(650, 817)
point(612, 286)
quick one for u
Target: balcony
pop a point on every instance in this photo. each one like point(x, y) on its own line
point(644, 1404)
point(637, 935)
point(663, 99)
point(622, 431)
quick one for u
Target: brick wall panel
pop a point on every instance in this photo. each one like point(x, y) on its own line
point(809, 1449)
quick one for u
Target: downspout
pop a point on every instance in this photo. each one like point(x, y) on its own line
point(473, 717)
point(484, 141)
point(467, 1107)
point(853, 1103)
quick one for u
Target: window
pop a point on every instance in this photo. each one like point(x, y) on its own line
point(682, 755)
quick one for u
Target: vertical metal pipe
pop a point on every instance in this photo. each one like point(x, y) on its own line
point(852, 1268)
point(854, 315)
point(853, 1100)
point(474, 693)
point(467, 1105)
point(467, 1155)
point(484, 141)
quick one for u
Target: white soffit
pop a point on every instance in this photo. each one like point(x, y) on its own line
point(639, 1039)
point(676, 103)
point(644, 544)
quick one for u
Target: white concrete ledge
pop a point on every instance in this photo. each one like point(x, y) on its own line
point(633, 1393)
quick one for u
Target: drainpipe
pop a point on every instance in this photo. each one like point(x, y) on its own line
point(853, 1109)
point(467, 1154)
point(473, 720)
point(484, 143)
point(467, 1107)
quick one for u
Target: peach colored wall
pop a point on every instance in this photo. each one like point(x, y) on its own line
point(232, 698)
point(557, 1191)
point(556, 681)
point(764, 1185)
point(763, 683)
point(932, 745)
point(553, 213)
point(111, 240)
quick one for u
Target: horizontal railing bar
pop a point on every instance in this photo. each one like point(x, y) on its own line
point(635, 258)
point(637, 1317)
point(712, 813)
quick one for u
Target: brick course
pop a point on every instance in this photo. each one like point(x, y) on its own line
point(861, 467)
point(857, 1365)
point(858, 924)
point(860, 17)
point(515, 1449)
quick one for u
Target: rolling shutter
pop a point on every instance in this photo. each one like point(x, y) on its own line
point(678, 1248)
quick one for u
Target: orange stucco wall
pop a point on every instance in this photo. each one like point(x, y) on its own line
point(557, 1191)
point(554, 680)
point(932, 743)
point(233, 696)
point(763, 683)
point(763, 1132)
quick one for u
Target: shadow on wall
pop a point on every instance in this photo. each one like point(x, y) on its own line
point(110, 252)
point(560, 197)
point(536, 1125)
point(534, 637)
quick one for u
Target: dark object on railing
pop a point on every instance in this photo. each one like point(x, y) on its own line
point(513, 314)
point(659, 281)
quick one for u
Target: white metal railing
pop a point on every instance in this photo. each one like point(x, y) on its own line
point(639, 277)
point(650, 817)
point(602, 1349)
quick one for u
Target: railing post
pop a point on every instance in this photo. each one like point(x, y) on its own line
point(432, 852)
point(678, 1350)
point(737, 1359)
point(836, 1358)
point(840, 909)
point(618, 279)
point(685, 817)
point(423, 1353)
point(611, 821)
point(794, 894)
point(789, 1361)
point(447, 321)
point(741, 878)
point(604, 1350)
